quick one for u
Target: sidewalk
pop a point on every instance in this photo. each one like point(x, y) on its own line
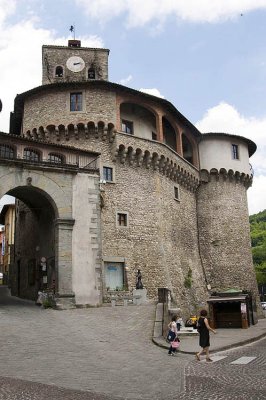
point(223, 339)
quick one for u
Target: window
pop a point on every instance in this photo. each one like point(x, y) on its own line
point(91, 73)
point(154, 136)
point(59, 72)
point(177, 194)
point(127, 126)
point(6, 151)
point(108, 174)
point(76, 101)
point(31, 155)
point(55, 158)
point(235, 152)
point(122, 219)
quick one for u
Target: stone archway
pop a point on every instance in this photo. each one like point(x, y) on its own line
point(45, 205)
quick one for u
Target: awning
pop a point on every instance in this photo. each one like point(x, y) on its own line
point(227, 299)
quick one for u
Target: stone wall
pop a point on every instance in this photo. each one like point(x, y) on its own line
point(54, 109)
point(161, 238)
point(54, 56)
point(224, 234)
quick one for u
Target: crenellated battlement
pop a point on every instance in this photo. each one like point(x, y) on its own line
point(82, 130)
point(171, 167)
point(226, 175)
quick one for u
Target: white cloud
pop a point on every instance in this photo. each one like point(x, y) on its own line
point(257, 195)
point(20, 55)
point(153, 92)
point(126, 80)
point(7, 7)
point(225, 118)
point(139, 12)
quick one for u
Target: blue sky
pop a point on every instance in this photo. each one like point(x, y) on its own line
point(208, 57)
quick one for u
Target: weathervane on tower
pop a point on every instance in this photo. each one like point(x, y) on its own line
point(72, 30)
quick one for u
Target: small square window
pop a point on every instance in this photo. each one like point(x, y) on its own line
point(235, 152)
point(122, 219)
point(127, 126)
point(76, 101)
point(177, 193)
point(108, 174)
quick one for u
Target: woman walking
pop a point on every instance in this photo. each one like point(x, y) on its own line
point(172, 335)
point(204, 335)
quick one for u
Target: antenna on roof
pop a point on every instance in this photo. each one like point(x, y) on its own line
point(72, 30)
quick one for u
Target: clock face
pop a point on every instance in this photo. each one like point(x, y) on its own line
point(75, 64)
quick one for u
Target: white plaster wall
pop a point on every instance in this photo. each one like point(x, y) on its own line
point(85, 240)
point(142, 127)
point(216, 152)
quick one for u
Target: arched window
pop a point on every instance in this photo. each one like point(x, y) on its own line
point(31, 155)
point(59, 71)
point(6, 151)
point(55, 158)
point(91, 73)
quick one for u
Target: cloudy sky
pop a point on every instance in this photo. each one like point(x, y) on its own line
point(208, 57)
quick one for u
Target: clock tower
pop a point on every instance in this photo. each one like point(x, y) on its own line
point(73, 63)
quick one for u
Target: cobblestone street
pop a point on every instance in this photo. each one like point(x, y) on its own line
point(107, 353)
point(222, 380)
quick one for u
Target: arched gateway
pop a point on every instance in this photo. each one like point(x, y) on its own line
point(49, 197)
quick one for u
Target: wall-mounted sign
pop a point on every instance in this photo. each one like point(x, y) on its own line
point(243, 308)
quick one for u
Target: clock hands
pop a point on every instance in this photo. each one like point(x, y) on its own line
point(76, 63)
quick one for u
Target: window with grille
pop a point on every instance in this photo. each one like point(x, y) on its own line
point(6, 151)
point(76, 101)
point(108, 174)
point(122, 219)
point(55, 158)
point(235, 152)
point(31, 155)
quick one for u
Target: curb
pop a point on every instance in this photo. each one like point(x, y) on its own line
point(158, 342)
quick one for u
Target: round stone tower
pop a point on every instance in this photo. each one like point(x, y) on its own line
point(222, 209)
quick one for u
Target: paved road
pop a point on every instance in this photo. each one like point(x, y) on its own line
point(107, 353)
point(103, 350)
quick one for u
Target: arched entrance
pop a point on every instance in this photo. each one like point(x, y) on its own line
point(42, 252)
point(33, 259)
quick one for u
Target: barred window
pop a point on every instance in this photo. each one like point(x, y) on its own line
point(6, 151)
point(55, 158)
point(122, 219)
point(235, 152)
point(31, 155)
point(108, 174)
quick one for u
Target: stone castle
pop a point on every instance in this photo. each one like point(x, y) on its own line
point(118, 180)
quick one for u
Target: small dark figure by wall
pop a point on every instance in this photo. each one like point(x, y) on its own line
point(139, 284)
